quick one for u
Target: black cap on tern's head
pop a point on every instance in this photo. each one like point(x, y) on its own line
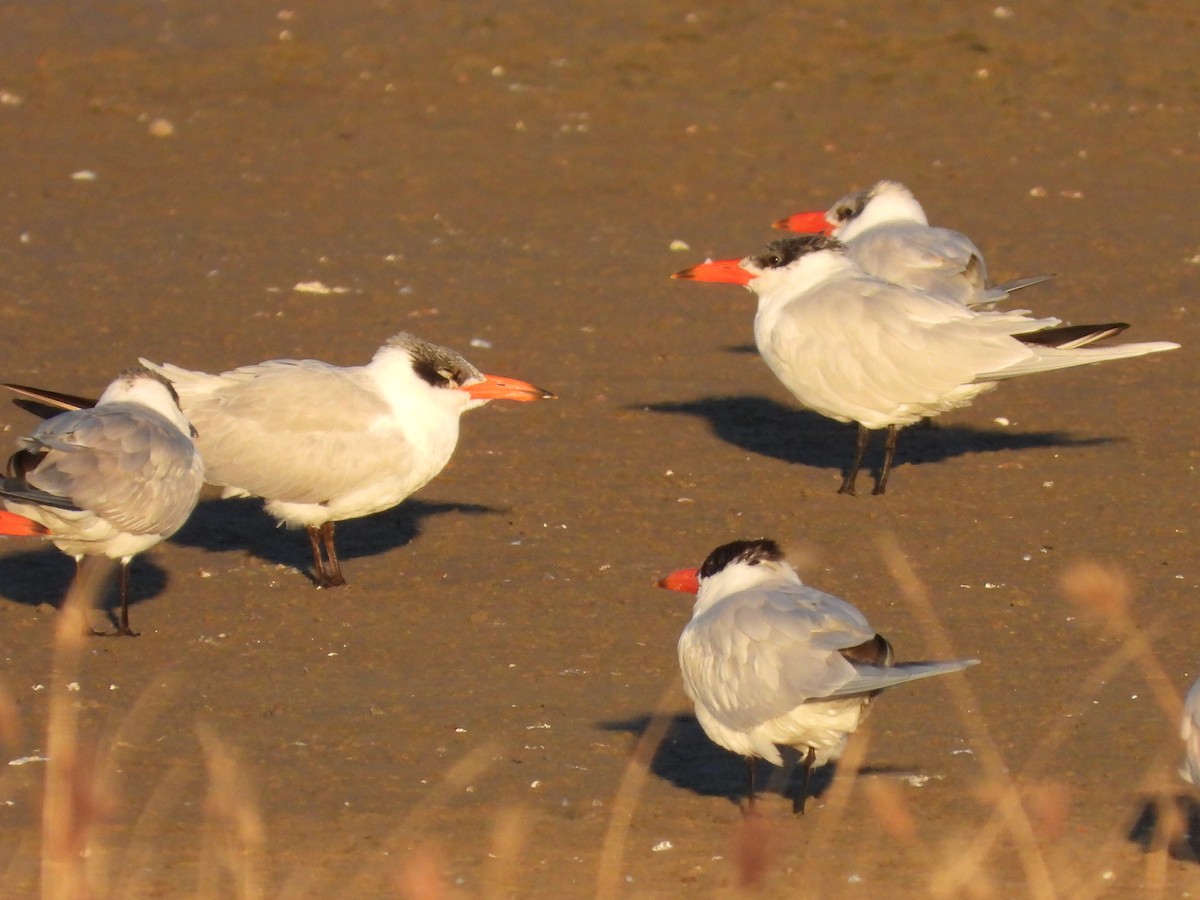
point(851, 206)
point(785, 251)
point(749, 552)
point(133, 373)
point(437, 366)
point(441, 367)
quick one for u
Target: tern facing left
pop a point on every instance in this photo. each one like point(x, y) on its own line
point(887, 232)
point(856, 348)
point(112, 480)
point(770, 662)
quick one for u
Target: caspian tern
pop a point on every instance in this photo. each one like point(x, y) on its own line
point(1189, 730)
point(321, 443)
point(857, 348)
point(111, 480)
point(887, 232)
point(770, 662)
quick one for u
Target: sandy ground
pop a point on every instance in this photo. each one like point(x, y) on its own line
point(517, 173)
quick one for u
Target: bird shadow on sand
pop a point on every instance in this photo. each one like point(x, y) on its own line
point(241, 524)
point(1173, 821)
point(688, 759)
point(34, 577)
point(766, 427)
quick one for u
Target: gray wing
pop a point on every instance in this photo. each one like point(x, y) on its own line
point(124, 462)
point(761, 653)
point(297, 431)
point(876, 678)
point(937, 260)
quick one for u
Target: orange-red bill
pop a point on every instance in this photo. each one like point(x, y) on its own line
point(805, 223)
point(13, 525)
point(686, 580)
point(497, 387)
point(717, 271)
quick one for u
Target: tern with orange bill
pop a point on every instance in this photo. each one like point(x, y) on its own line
point(113, 479)
point(887, 233)
point(321, 443)
point(857, 348)
point(770, 662)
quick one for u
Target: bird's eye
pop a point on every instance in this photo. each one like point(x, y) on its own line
point(843, 213)
point(446, 374)
point(774, 260)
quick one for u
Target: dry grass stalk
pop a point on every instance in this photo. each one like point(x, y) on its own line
point(834, 806)
point(612, 851)
point(422, 875)
point(407, 839)
point(509, 832)
point(10, 722)
point(1009, 808)
point(75, 798)
point(890, 812)
point(753, 851)
point(1106, 593)
point(235, 833)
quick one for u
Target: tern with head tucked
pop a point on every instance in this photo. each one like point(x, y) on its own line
point(857, 348)
point(886, 231)
point(112, 480)
point(770, 662)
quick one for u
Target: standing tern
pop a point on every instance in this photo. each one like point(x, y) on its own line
point(887, 233)
point(111, 480)
point(321, 443)
point(857, 348)
point(770, 662)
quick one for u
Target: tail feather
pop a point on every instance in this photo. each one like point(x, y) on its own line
point(13, 525)
point(875, 678)
point(53, 399)
point(20, 491)
point(1068, 337)
point(1018, 284)
point(1047, 359)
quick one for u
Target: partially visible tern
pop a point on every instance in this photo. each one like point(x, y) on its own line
point(1189, 730)
point(112, 480)
point(771, 662)
point(887, 232)
point(321, 443)
point(12, 525)
point(857, 348)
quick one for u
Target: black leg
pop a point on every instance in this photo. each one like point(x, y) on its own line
point(335, 567)
point(889, 453)
point(860, 448)
point(751, 762)
point(798, 803)
point(123, 581)
point(320, 575)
